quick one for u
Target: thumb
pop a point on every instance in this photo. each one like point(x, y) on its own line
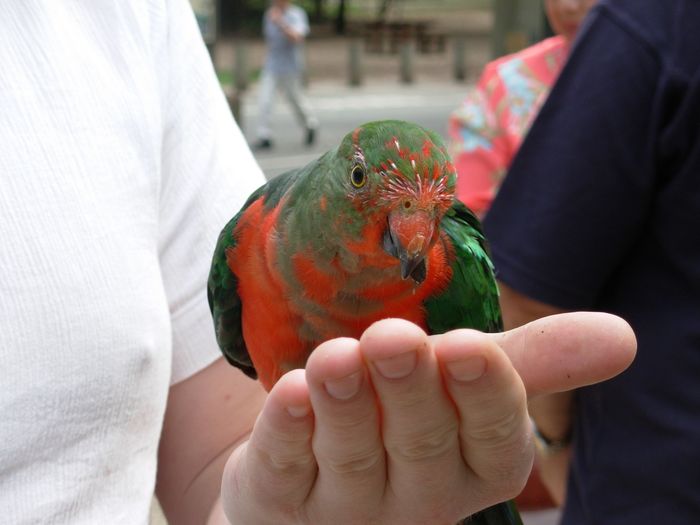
point(566, 351)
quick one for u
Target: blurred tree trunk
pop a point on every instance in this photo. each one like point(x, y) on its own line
point(340, 18)
point(384, 7)
point(318, 10)
point(232, 14)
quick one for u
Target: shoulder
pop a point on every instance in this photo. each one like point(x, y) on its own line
point(652, 24)
point(535, 51)
point(665, 29)
point(647, 19)
point(296, 11)
point(543, 59)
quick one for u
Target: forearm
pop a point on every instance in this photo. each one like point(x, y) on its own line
point(208, 416)
point(217, 515)
point(277, 18)
point(291, 33)
point(554, 471)
point(200, 500)
point(203, 496)
point(552, 416)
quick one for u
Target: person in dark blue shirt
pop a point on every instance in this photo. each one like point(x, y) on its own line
point(601, 211)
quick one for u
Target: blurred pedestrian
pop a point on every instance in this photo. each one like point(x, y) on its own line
point(488, 127)
point(285, 27)
point(599, 211)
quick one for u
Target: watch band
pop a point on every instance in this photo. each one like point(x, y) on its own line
point(548, 444)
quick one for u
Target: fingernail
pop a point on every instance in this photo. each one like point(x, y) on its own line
point(467, 369)
point(397, 366)
point(344, 387)
point(298, 411)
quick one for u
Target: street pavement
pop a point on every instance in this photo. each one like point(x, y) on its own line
point(340, 109)
point(428, 100)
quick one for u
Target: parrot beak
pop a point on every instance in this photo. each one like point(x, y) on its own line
point(413, 267)
point(408, 238)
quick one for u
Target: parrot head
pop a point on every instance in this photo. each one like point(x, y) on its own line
point(399, 181)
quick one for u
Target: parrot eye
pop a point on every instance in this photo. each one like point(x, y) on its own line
point(358, 177)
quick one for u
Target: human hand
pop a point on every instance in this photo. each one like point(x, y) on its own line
point(275, 14)
point(381, 431)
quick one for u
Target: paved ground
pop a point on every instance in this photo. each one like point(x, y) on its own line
point(428, 100)
point(340, 109)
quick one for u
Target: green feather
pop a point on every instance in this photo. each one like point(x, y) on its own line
point(225, 304)
point(505, 513)
point(470, 301)
point(471, 298)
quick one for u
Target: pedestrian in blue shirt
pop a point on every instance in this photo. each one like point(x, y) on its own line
point(601, 211)
point(285, 26)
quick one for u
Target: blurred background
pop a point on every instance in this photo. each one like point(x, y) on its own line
point(368, 60)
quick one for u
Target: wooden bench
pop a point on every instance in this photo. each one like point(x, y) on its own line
point(388, 37)
point(430, 41)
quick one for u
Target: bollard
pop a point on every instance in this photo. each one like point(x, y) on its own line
point(235, 102)
point(240, 68)
point(460, 47)
point(355, 63)
point(406, 63)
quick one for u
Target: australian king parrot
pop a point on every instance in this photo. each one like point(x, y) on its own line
point(369, 230)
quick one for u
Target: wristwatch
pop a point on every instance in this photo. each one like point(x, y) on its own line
point(550, 445)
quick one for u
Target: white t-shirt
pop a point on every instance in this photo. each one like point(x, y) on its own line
point(119, 165)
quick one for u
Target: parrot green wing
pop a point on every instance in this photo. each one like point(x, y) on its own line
point(471, 297)
point(470, 301)
point(504, 513)
point(222, 286)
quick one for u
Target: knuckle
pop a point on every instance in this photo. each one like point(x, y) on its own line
point(496, 431)
point(361, 462)
point(509, 481)
point(412, 398)
point(500, 421)
point(344, 424)
point(511, 453)
point(511, 476)
point(438, 442)
point(288, 465)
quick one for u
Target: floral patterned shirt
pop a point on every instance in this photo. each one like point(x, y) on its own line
point(489, 126)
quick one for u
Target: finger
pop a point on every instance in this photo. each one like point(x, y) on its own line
point(419, 422)
point(347, 440)
point(567, 351)
point(275, 469)
point(490, 398)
